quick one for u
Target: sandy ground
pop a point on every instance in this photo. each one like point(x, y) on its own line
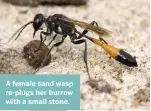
point(119, 87)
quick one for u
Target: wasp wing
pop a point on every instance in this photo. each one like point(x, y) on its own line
point(98, 30)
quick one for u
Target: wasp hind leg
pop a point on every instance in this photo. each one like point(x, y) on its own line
point(92, 82)
point(86, 31)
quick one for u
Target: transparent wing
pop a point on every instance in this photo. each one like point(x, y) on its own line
point(98, 30)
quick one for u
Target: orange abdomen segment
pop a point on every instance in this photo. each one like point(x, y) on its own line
point(118, 54)
point(113, 51)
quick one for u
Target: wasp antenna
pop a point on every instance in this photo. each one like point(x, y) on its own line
point(23, 29)
point(16, 32)
point(19, 30)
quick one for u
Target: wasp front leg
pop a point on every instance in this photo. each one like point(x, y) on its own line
point(41, 38)
point(49, 53)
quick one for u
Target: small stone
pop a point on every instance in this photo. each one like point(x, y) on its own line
point(34, 56)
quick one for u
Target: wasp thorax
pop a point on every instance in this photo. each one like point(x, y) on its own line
point(49, 22)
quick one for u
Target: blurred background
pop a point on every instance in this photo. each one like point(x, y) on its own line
point(129, 20)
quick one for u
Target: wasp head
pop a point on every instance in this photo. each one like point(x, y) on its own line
point(37, 22)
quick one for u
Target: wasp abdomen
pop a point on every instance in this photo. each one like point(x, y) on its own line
point(126, 59)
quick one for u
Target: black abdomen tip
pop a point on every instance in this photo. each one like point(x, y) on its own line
point(126, 59)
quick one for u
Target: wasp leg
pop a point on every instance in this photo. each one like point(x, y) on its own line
point(54, 45)
point(57, 44)
point(49, 52)
point(41, 38)
point(48, 31)
point(85, 52)
point(86, 31)
point(94, 22)
point(103, 40)
point(54, 37)
point(92, 82)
